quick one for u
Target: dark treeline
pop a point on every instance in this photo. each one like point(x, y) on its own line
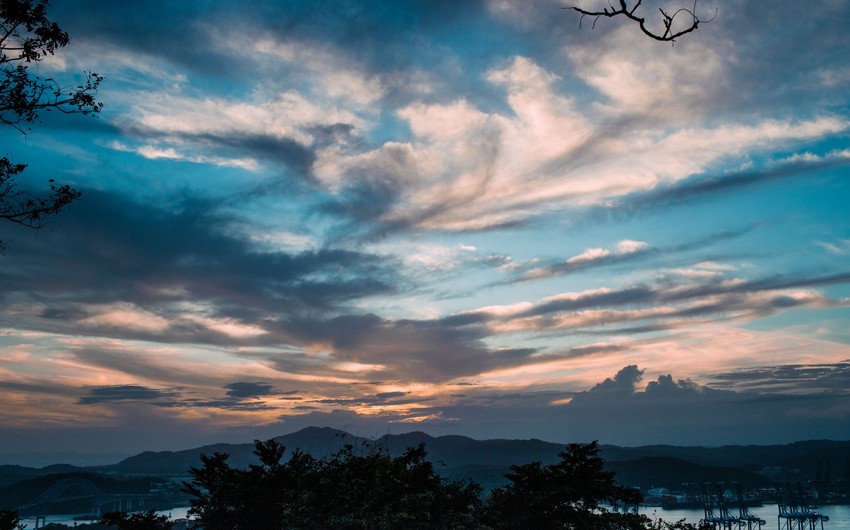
point(375, 491)
point(364, 488)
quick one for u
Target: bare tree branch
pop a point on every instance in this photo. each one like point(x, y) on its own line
point(670, 34)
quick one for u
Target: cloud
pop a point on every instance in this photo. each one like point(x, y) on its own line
point(702, 187)
point(625, 381)
point(840, 247)
point(670, 85)
point(788, 379)
point(686, 413)
point(618, 410)
point(148, 266)
point(406, 350)
point(249, 390)
point(625, 250)
point(668, 302)
point(352, 199)
point(170, 153)
point(119, 393)
point(508, 168)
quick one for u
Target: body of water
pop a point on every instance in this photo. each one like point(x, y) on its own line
point(839, 516)
point(68, 519)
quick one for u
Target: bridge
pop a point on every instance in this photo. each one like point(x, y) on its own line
point(82, 489)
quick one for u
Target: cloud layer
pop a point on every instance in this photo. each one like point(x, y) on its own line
point(475, 217)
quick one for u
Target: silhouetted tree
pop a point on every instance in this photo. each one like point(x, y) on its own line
point(377, 491)
point(148, 520)
point(10, 520)
point(374, 491)
point(347, 492)
point(576, 493)
point(672, 29)
point(26, 37)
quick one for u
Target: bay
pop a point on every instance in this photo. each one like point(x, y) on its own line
point(839, 515)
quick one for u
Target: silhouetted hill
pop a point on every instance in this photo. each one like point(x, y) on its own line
point(11, 474)
point(321, 442)
point(668, 472)
point(804, 457)
point(318, 441)
point(25, 491)
point(177, 462)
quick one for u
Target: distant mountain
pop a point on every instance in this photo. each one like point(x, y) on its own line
point(317, 441)
point(10, 474)
point(668, 472)
point(445, 451)
point(830, 457)
point(486, 461)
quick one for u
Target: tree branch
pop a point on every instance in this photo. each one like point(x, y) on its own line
point(669, 34)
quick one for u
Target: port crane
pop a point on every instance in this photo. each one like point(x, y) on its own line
point(795, 513)
point(716, 512)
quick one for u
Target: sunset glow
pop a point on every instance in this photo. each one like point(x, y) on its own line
point(469, 218)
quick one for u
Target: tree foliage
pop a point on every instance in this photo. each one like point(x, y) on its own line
point(576, 493)
point(148, 520)
point(10, 520)
point(372, 490)
point(27, 36)
point(349, 491)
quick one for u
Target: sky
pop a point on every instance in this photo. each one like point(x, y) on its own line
point(484, 218)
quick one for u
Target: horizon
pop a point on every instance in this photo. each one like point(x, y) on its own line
point(477, 218)
point(88, 460)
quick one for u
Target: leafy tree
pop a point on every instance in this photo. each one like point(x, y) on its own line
point(380, 492)
point(148, 520)
point(10, 520)
point(26, 37)
point(346, 492)
point(374, 491)
point(576, 493)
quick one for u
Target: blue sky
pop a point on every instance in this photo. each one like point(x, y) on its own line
point(471, 217)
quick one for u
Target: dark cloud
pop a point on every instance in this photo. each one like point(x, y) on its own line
point(149, 256)
point(286, 152)
point(683, 412)
point(625, 381)
point(806, 378)
point(668, 411)
point(765, 52)
point(383, 398)
point(249, 390)
point(123, 393)
point(46, 387)
point(238, 397)
point(405, 349)
point(709, 296)
point(385, 39)
point(640, 294)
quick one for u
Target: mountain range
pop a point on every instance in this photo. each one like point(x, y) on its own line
point(486, 461)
